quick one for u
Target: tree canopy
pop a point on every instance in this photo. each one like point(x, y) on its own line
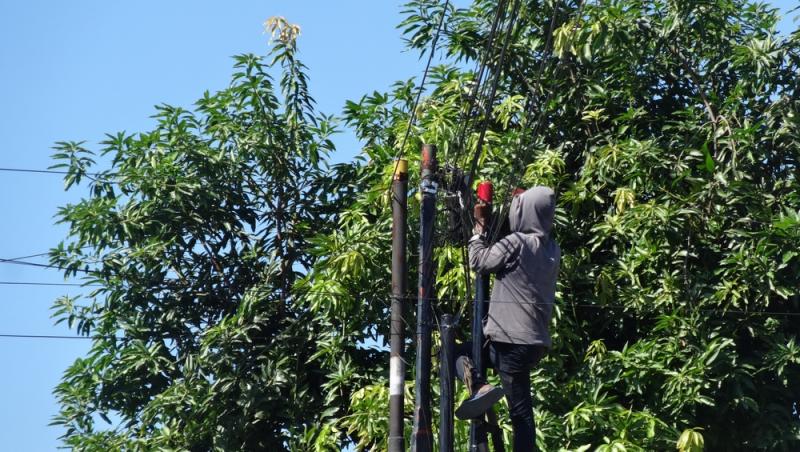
point(243, 295)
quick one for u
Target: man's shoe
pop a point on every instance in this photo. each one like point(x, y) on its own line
point(479, 403)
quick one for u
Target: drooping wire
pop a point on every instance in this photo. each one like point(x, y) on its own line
point(496, 222)
point(49, 336)
point(95, 177)
point(517, 175)
point(488, 100)
point(468, 114)
point(46, 253)
point(413, 111)
point(19, 258)
point(25, 170)
point(466, 117)
point(34, 264)
point(37, 283)
point(492, 94)
point(385, 300)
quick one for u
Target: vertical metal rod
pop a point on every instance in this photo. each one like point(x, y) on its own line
point(478, 429)
point(399, 289)
point(446, 383)
point(422, 438)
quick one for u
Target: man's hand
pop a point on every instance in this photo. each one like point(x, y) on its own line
point(481, 215)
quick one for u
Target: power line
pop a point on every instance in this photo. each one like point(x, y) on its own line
point(48, 336)
point(407, 297)
point(492, 93)
point(31, 264)
point(96, 177)
point(34, 264)
point(35, 283)
point(413, 112)
point(45, 253)
point(26, 170)
point(517, 175)
point(412, 297)
point(483, 60)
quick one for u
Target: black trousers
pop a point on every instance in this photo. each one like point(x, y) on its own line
point(513, 363)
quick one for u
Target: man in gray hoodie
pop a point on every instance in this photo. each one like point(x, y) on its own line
point(526, 265)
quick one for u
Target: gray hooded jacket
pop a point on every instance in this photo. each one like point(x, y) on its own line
point(526, 263)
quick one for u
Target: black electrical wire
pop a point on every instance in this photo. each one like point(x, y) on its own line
point(46, 336)
point(34, 264)
point(492, 93)
point(465, 121)
point(19, 258)
point(482, 134)
point(495, 227)
point(413, 112)
point(413, 297)
point(36, 283)
point(46, 253)
point(385, 299)
point(96, 177)
point(468, 114)
point(25, 170)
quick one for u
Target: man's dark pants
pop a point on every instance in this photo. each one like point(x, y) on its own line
point(513, 363)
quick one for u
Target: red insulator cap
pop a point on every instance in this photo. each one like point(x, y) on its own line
point(485, 191)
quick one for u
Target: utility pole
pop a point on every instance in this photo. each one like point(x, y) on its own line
point(422, 438)
point(478, 438)
point(446, 383)
point(399, 289)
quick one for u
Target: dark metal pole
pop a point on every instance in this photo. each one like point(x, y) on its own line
point(478, 428)
point(422, 439)
point(399, 289)
point(446, 383)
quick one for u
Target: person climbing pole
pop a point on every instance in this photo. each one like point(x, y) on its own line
point(526, 264)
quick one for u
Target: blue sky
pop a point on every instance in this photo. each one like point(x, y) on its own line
point(76, 70)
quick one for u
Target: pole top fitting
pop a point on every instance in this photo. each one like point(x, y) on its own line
point(429, 157)
point(400, 169)
point(485, 191)
point(428, 164)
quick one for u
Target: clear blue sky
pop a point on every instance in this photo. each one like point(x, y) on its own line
point(76, 70)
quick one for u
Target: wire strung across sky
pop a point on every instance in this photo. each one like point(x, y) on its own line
point(96, 177)
point(43, 336)
point(36, 283)
point(34, 264)
point(410, 297)
point(25, 170)
point(19, 261)
point(385, 298)
point(413, 111)
point(407, 297)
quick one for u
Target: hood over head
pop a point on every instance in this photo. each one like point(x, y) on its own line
point(532, 211)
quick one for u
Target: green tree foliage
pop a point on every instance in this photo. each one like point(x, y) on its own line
point(670, 132)
point(248, 286)
point(196, 235)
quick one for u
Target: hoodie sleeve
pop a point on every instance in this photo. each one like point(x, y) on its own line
point(485, 258)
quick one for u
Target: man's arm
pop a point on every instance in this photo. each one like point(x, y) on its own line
point(485, 258)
